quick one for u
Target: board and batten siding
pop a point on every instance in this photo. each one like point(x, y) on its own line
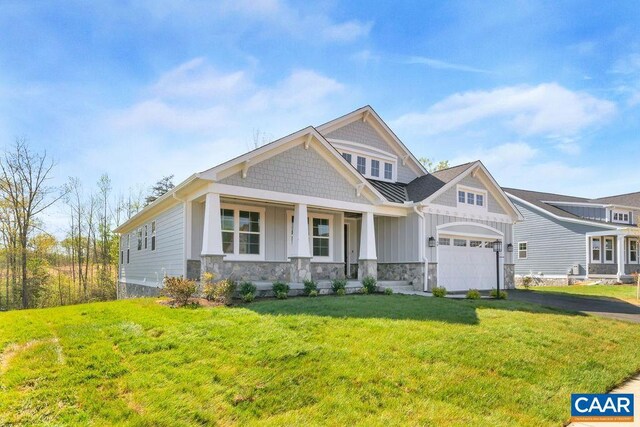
point(363, 133)
point(450, 197)
point(398, 238)
point(432, 221)
point(553, 246)
point(147, 267)
point(594, 213)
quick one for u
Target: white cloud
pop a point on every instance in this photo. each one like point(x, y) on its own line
point(346, 31)
point(629, 64)
point(443, 65)
point(528, 110)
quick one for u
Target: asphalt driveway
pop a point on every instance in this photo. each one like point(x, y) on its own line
point(610, 307)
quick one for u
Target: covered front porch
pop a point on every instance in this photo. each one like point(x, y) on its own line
point(258, 240)
point(613, 255)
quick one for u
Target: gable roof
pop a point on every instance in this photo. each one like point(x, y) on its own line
point(426, 185)
point(628, 199)
point(369, 115)
point(539, 200)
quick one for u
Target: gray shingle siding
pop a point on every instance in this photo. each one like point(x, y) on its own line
point(150, 266)
point(450, 197)
point(553, 246)
point(298, 171)
point(363, 133)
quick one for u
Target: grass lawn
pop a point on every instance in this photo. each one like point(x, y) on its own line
point(353, 360)
point(623, 292)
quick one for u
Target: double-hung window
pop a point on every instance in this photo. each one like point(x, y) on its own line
point(320, 235)
point(375, 168)
point(361, 165)
point(472, 197)
point(146, 235)
point(128, 246)
point(388, 170)
point(596, 248)
point(153, 235)
point(522, 250)
point(347, 157)
point(139, 239)
point(462, 197)
point(608, 249)
point(242, 232)
point(633, 251)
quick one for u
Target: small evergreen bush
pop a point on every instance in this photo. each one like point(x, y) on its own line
point(473, 294)
point(179, 289)
point(494, 294)
point(280, 289)
point(313, 293)
point(310, 286)
point(439, 291)
point(248, 297)
point(337, 284)
point(248, 288)
point(388, 291)
point(341, 292)
point(369, 284)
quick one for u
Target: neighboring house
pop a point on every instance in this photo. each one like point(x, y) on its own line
point(343, 200)
point(564, 239)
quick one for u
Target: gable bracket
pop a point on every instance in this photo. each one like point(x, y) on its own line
point(365, 116)
point(245, 168)
point(359, 188)
point(404, 159)
point(307, 142)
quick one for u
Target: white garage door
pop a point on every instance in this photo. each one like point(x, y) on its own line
point(466, 263)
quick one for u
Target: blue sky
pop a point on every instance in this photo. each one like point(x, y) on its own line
point(547, 94)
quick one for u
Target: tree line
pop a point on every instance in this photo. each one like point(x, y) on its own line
point(38, 269)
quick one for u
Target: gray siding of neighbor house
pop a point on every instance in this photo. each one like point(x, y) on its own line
point(598, 214)
point(364, 133)
point(168, 259)
point(298, 171)
point(553, 246)
point(398, 239)
point(275, 236)
point(432, 221)
point(450, 197)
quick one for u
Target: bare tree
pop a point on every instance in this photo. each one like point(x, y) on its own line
point(23, 178)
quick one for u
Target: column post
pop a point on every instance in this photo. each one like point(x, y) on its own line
point(212, 254)
point(300, 253)
point(368, 259)
point(621, 255)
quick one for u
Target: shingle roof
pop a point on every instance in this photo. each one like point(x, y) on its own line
point(537, 198)
point(629, 199)
point(392, 191)
point(424, 186)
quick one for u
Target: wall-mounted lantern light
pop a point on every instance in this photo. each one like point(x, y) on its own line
point(432, 242)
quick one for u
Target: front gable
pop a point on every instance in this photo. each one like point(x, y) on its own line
point(469, 183)
point(298, 170)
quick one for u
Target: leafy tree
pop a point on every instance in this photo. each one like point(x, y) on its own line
point(160, 188)
point(434, 167)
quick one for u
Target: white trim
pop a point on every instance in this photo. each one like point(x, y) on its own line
point(310, 217)
point(526, 250)
point(467, 214)
point(236, 255)
point(144, 282)
point(367, 150)
point(368, 164)
point(465, 206)
point(637, 251)
point(619, 212)
point(586, 204)
point(604, 250)
point(560, 218)
point(591, 249)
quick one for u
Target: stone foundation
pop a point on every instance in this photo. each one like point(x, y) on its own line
point(213, 264)
point(631, 268)
point(130, 290)
point(603, 269)
point(193, 269)
point(300, 270)
point(257, 270)
point(327, 270)
point(408, 271)
point(353, 271)
point(545, 281)
point(509, 276)
point(367, 267)
point(432, 275)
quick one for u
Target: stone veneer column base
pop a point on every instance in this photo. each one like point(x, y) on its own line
point(432, 275)
point(212, 264)
point(367, 267)
point(300, 269)
point(509, 276)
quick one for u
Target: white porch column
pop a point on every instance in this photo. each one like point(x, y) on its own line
point(300, 244)
point(212, 234)
point(621, 255)
point(368, 238)
point(368, 259)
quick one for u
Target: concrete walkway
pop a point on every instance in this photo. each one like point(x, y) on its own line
point(631, 386)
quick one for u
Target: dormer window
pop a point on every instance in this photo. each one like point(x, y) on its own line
point(622, 217)
point(361, 165)
point(347, 157)
point(471, 197)
point(375, 168)
point(388, 171)
point(371, 162)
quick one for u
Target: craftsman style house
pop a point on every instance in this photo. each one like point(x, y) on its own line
point(565, 239)
point(342, 200)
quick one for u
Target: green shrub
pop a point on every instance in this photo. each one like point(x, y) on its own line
point(439, 291)
point(313, 293)
point(310, 286)
point(527, 281)
point(280, 289)
point(282, 295)
point(337, 284)
point(501, 295)
point(341, 292)
point(388, 291)
point(473, 294)
point(369, 283)
point(223, 291)
point(248, 297)
point(247, 288)
point(363, 291)
point(179, 289)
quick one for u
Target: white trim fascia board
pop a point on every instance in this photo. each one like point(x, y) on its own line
point(158, 206)
point(385, 132)
point(617, 232)
point(362, 148)
point(444, 233)
point(232, 191)
point(481, 216)
point(602, 276)
point(475, 224)
point(614, 206)
point(149, 283)
point(555, 202)
point(560, 218)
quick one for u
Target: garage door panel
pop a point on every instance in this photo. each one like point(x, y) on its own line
point(462, 267)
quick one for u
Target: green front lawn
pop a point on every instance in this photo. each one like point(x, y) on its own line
point(354, 360)
point(623, 292)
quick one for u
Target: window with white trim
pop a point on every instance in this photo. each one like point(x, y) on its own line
point(633, 251)
point(622, 217)
point(471, 198)
point(146, 235)
point(242, 232)
point(375, 168)
point(128, 246)
point(608, 249)
point(459, 242)
point(388, 171)
point(522, 250)
point(361, 165)
point(444, 241)
point(320, 235)
point(347, 157)
point(596, 249)
point(153, 235)
point(139, 238)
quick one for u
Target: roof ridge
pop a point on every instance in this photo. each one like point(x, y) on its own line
point(545, 192)
point(453, 167)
